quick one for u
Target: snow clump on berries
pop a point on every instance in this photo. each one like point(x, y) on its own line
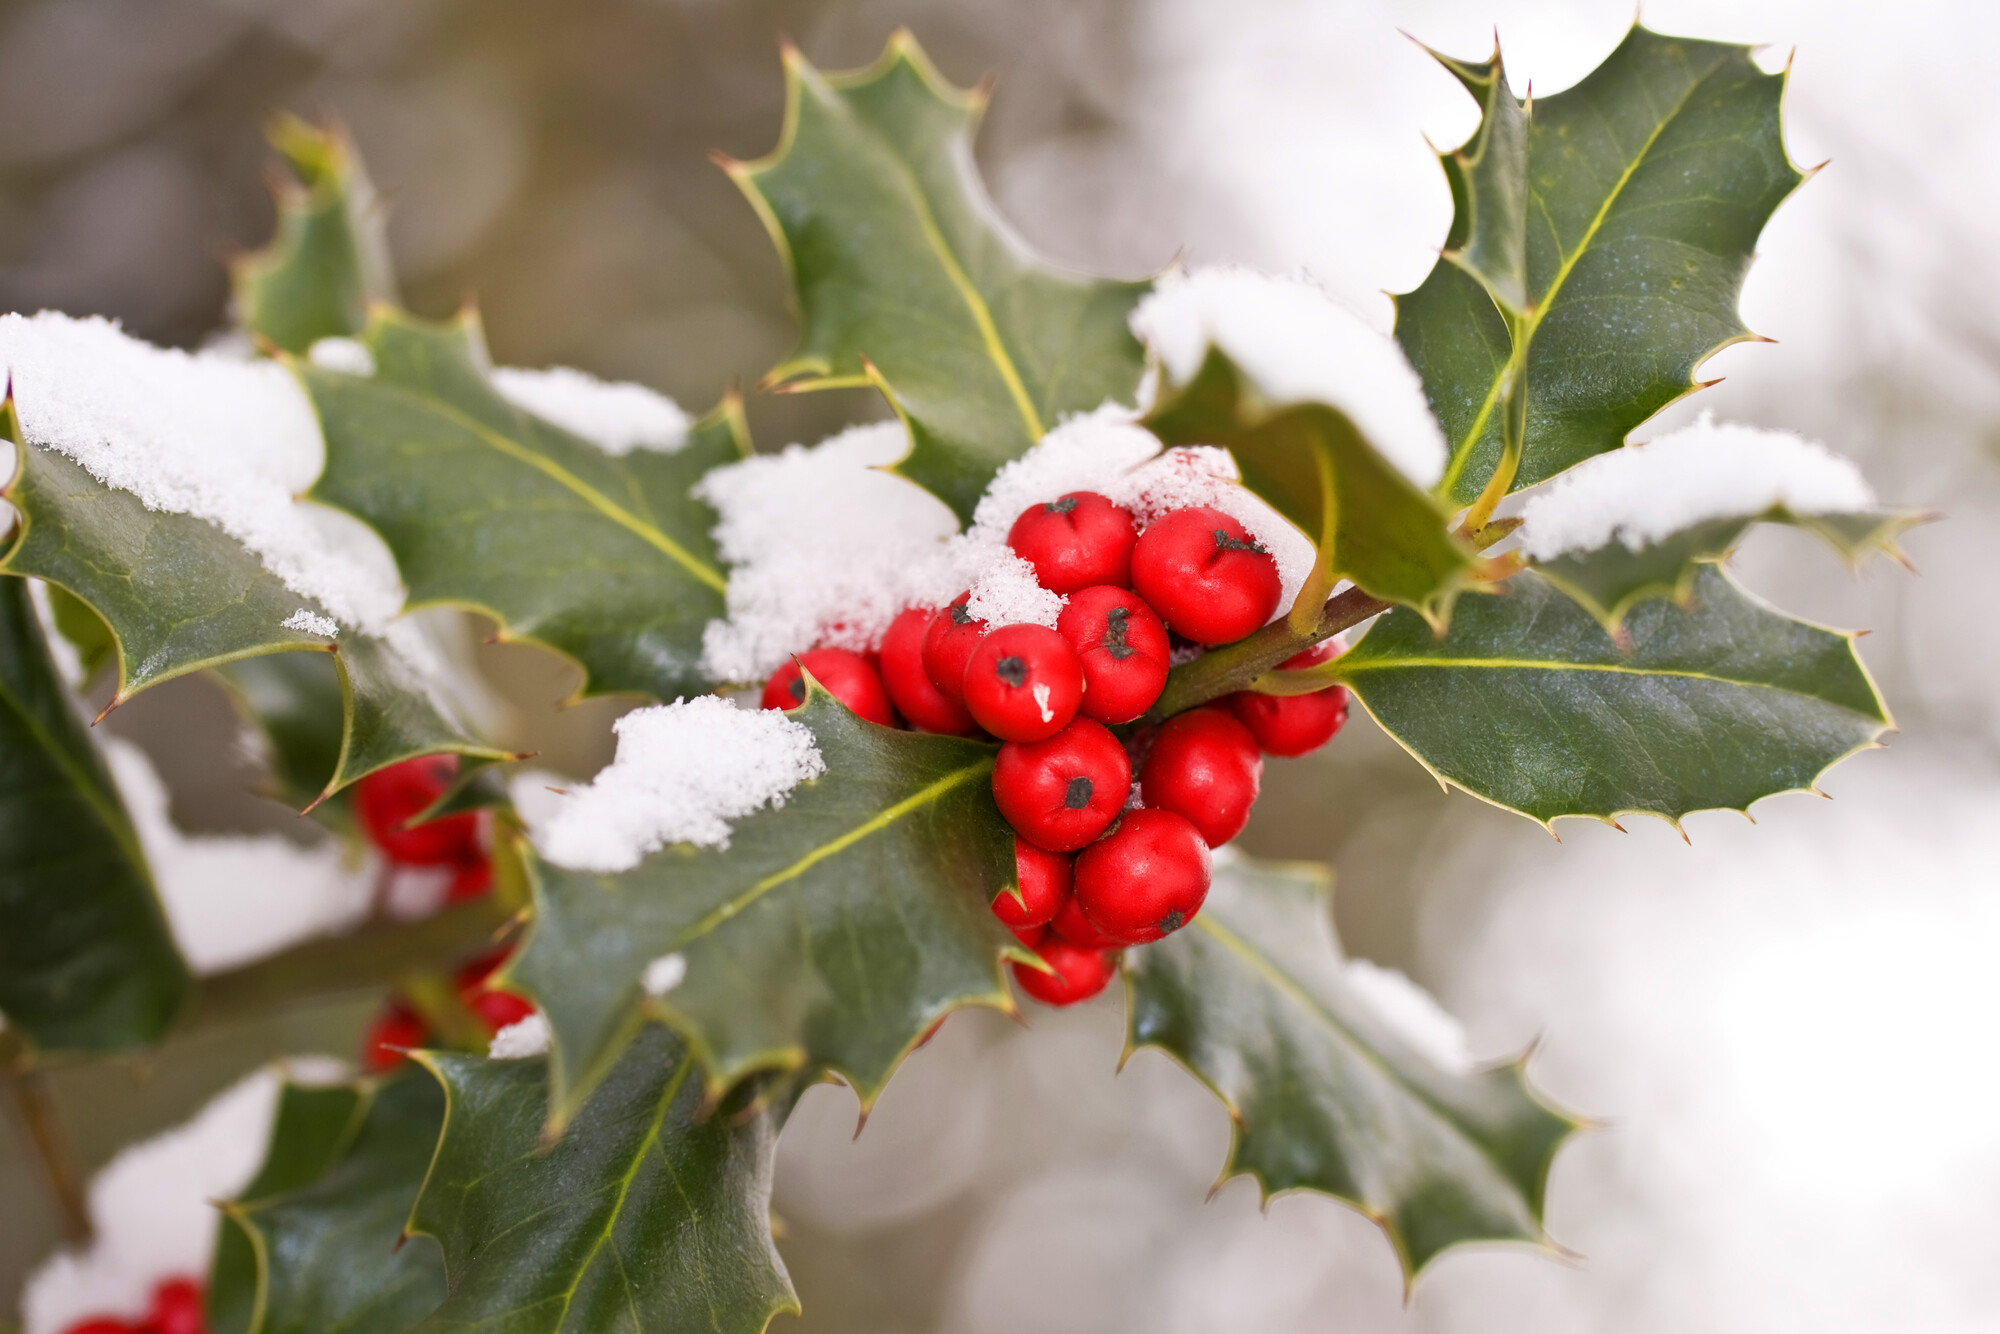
point(218, 889)
point(1643, 493)
point(152, 1206)
point(682, 773)
point(523, 1038)
point(618, 417)
point(1298, 345)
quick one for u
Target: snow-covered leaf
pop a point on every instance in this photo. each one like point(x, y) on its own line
point(330, 257)
point(1645, 188)
point(315, 1241)
point(604, 556)
point(1314, 465)
point(1329, 1089)
point(651, 1213)
point(87, 961)
point(179, 595)
point(1528, 702)
point(907, 278)
point(856, 913)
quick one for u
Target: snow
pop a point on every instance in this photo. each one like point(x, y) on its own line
point(152, 1205)
point(1411, 1013)
point(206, 434)
point(306, 619)
point(523, 1038)
point(234, 898)
point(825, 548)
point(616, 417)
point(664, 974)
point(345, 355)
point(1709, 470)
point(682, 772)
point(1298, 345)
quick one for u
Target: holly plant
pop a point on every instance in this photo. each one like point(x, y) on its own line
point(1195, 517)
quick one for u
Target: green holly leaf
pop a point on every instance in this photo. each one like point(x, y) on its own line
point(1312, 463)
point(82, 629)
point(294, 702)
point(1488, 175)
point(653, 1212)
point(316, 1241)
point(606, 558)
point(908, 279)
point(180, 595)
point(1527, 702)
point(1646, 186)
point(87, 961)
point(329, 260)
point(1323, 1094)
point(1612, 579)
point(859, 911)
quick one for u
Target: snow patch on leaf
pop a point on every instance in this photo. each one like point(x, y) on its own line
point(664, 974)
point(616, 416)
point(152, 1205)
point(234, 898)
point(1298, 345)
point(312, 623)
point(349, 356)
point(1711, 470)
point(1412, 1013)
point(523, 1038)
point(682, 773)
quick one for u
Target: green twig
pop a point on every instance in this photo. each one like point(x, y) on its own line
point(52, 1147)
point(1223, 671)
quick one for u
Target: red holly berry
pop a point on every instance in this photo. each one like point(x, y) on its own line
point(472, 879)
point(1205, 576)
point(474, 974)
point(1031, 936)
point(393, 1032)
point(1023, 683)
point(177, 1308)
point(846, 676)
point(1204, 765)
point(910, 689)
point(1071, 925)
point(1076, 541)
point(1294, 724)
point(498, 1008)
point(1043, 877)
point(104, 1324)
point(1123, 648)
point(949, 641)
point(1079, 973)
point(388, 798)
point(1061, 793)
point(1145, 879)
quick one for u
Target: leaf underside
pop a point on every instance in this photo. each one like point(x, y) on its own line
point(907, 277)
point(87, 961)
point(1612, 579)
point(1370, 523)
point(652, 1212)
point(1325, 1095)
point(315, 1242)
point(828, 934)
point(1527, 702)
point(1644, 188)
point(607, 559)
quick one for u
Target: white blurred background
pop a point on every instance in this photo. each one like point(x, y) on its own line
point(1785, 1029)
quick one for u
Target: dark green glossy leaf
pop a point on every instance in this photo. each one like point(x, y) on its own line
point(330, 258)
point(316, 1243)
point(1324, 1095)
point(606, 558)
point(1370, 523)
point(1488, 175)
point(1612, 579)
point(651, 1213)
point(907, 278)
point(181, 595)
point(294, 702)
point(828, 934)
point(1647, 186)
point(1528, 702)
point(87, 961)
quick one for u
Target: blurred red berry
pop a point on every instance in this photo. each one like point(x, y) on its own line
point(499, 1009)
point(177, 1308)
point(1043, 877)
point(392, 1032)
point(845, 675)
point(910, 689)
point(387, 799)
point(1071, 925)
point(1293, 725)
point(1078, 974)
point(1204, 765)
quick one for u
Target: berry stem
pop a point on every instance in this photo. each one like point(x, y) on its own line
point(45, 1131)
point(1226, 670)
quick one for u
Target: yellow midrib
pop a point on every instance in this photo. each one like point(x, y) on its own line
point(1534, 664)
point(1534, 321)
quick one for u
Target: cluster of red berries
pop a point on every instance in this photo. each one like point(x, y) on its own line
point(176, 1309)
point(1096, 871)
point(385, 802)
